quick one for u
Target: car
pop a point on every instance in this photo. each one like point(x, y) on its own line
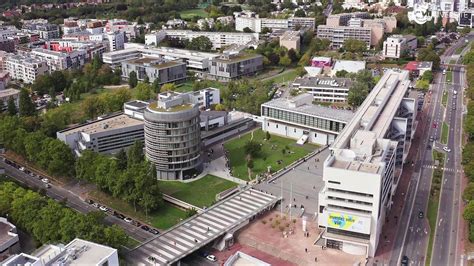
point(103, 208)
point(144, 227)
point(404, 261)
point(211, 258)
point(446, 149)
point(22, 169)
point(128, 220)
point(96, 205)
point(431, 138)
point(455, 92)
point(454, 107)
point(435, 125)
point(444, 71)
point(88, 201)
point(45, 180)
point(421, 215)
point(154, 231)
point(429, 147)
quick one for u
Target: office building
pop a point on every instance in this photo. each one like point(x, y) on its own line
point(78, 252)
point(205, 98)
point(338, 34)
point(25, 68)
point(343, 18)
point(231, 65)
point(324, 89)
point(418, 68)
point(4, 79)
point(298, 118)
point(58, 61)
point(397, 46)
point(466, 18)
point(362, 172)
point(116, 40)
point(155, 68)
point(9, 240)
point(106, 135)
point(247, 19)
point(6, 94)
point(173, 137)
point(291, 40)
point(347, 65)
point(218, 39)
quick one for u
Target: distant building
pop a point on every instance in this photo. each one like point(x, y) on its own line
point(205, 98)
point(58, 61)
point(298, 118)
point(247, 19)
point(153, 68)
point(338, 34)
point(129, 29)
point(6, 94)
point(230, 66)
point(291, 40)
point(348, 65)
point(466, 18)
point(25, 68)
point(90, 48)
point(175, 23)
point(397, 45)
point(173, 137)
point(4, 79)
point(45, 30)
point(7, 45)
point(76, 253)
point(343, 18)
point(325, 89)
point(418, 68)
point(320, 61)
point(116, 40)
point(9, 240)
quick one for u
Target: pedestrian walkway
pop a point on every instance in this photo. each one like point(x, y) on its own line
point(194, 233)
point(218, 168)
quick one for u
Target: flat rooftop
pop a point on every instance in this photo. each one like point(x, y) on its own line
point(323, 82)
point(5, 234)
point(236, 58)
point(311, 109)
point(20, 259)
point(87, 253)
point(106, 124)
point(155, 62)
point(8, 92)
point(180, 107)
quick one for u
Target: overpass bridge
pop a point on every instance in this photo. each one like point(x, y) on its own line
point(214, 223)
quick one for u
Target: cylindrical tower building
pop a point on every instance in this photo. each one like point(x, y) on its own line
point(173, 137)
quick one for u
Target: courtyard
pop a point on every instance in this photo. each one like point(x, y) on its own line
point(276, 153)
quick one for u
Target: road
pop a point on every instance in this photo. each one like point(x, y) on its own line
point(73, 201)
point(412, 239)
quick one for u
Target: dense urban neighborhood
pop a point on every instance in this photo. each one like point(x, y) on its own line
point(239, 132)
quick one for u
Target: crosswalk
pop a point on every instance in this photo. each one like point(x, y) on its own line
point(442, 168)
point(201, 229)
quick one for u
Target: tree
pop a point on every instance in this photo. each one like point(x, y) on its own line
point(293, 55)
point(341, 73)
point(168, 87)
point(267, 135)
point(357, 94)
point(132, 79)
point(27, 107)
point(121, 157)
point(428, 76)
point(469, 212)
point(93, 106)
point(300, 13)
point(247, 30)
point(11, 106)
point(252, 148)
point(135, 154)
point(201, 43)
point(354, 46)
point(144, 91)
point(285, 61)
point(468, 194)
point(429, 54)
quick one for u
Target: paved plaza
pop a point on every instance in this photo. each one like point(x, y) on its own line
point(300, 186)
point(200, 230)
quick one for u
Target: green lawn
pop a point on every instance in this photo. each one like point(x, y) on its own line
point(444, 133)
point(444, 100)
point(449, 76)
point(289, 75)
point(459, 49)
point(188, 14)
point(167, 216)
point(433, 203)
point(188, 85)
point(200, 193)
point(267, 156)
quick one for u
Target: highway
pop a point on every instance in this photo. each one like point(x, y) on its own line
point(412, 239)
point(73, 201)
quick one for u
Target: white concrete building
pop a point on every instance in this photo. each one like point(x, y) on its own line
point(397, 45)
point(324, 89)
point(58, 61)
point(362, 172)
point(6, 94)
point(291, 40)
point(347, 65)
point(116, 40)
point(247, 19)
point(298, 118)
point(25, 68)
point(205, 98)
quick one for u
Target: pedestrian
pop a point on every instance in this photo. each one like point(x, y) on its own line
point(306, 250)
point(315, 259)
point(294, 199)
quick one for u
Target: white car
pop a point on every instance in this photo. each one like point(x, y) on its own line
point(22, 169)
point(446, 149)
point(103, 208)
point(45, 180)
point(211, 257)
point(128, 220)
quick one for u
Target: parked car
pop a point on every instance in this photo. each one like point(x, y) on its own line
point(211, 257)
point(88, 201)
point(154, 231)
point(421, 215)
point(144, 227)
point(45, 180)
point(404, 261)
point(22, 169)
point(446, 149)
point(96, 205)
point(103, 208)
point(128, 220)
point(47, 185)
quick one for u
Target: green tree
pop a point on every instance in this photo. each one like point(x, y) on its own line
point(341, 73)
point(354, 46)
point(85, 165)
point(252, 148)
point(11, 106)
point(300, 13)
point(114, 236)
point(428, 76)
point(285, 61)
point(247, 30)
point(267, 135)
point(121, 157)
point(135, 154)
point(93, 106)
point(26, 105)
point(469, 212)
point(357, 94)
point(168, 87)
point(132, 79)
point(429, 54)
point(468, 194)
point(201, 43)
point(144, 91)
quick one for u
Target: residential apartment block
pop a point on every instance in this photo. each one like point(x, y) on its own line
point(343, 18)
point(397, 45)
point(291, 40)
point(362, 172)
point(298, 118)
point(155, 68)
point(45, 30)
point(116, 40)
point(338, 34)
point(58, 61)
point(247, 19)
point(7, 45)
point(25, 68)
point(231, 65)
point(325, 89)
point(90, 48)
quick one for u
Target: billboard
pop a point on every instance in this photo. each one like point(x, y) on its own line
point(349, 222)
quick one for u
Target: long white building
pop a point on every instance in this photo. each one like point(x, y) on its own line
point(247, 19)
point(362, 172)
point(218, 39)
point(58, 61)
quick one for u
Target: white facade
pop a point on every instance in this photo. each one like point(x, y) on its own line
point(58, 61)
point(116, 40)
point(362, 173)
point(253, 22)
point(325, 89)
point(396, 45)
point(25, 68)
point(218, 39)
point(155, 38)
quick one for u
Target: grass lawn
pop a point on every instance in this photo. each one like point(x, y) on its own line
point(459, 49)
point(188, 85)
point(433, 203)
point(444, 133)
point(267, 157)
point(164, 218)
point(199, 193)
point(286, 76)
point(449, 76)
point(188, 14)
point(444, 100)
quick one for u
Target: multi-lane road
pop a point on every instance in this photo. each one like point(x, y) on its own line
point(412, 240)
point(73, 201)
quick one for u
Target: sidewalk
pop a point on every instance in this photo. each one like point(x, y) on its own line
point(217, 167)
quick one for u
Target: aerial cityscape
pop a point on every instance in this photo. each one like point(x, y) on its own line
point(237, 132)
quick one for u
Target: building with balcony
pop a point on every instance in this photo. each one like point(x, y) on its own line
point(251, 20)
point(324, 89)
point(25, 68)
point(397, 46)
point(363, 170)
point(173, 137)
point(58, 61)
point(155, 69)
point(232, 65)
point(298, 118)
